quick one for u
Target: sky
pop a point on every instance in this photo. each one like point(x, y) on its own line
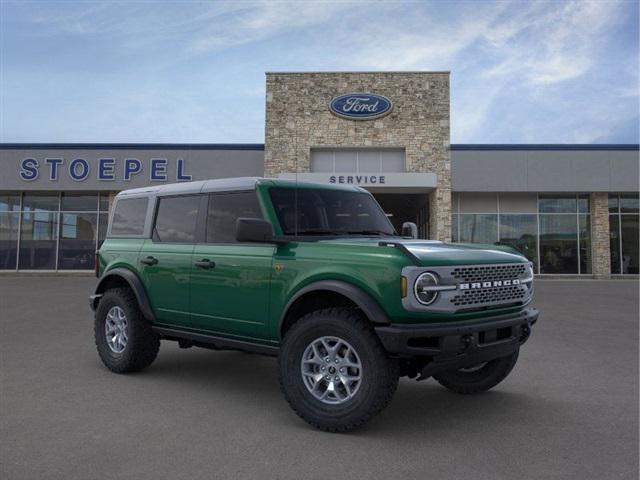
point(179, 71)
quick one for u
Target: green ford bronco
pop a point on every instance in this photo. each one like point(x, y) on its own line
point(315, 275)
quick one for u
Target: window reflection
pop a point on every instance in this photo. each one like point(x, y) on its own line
point(77, 241)
point(630, 246)
point(623, 233)
point(8, 240)
point(558, 244)
point(521, 232)
point(478, 228)
point(38, 240)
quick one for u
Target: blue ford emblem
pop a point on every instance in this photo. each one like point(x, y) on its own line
point(360, 106)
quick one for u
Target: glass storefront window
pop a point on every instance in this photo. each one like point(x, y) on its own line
point(583, 204)
point(584, 236)
point(557, 204)
point(9, 202)
point(623, 233)
point(9, 222)
point(558, 244)
point(478, 228)
point(521, 232)
point(40, 201)
point(629, 243)
point(79, 202)
point(104, 202)
point(629, 204)
point(614, 242)
point(38, 240)
point(454, 228)
point(51, 230)
point(77, 241)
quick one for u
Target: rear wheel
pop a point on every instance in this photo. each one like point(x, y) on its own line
point(124, 339)
point(478, 378)
point(333, 370)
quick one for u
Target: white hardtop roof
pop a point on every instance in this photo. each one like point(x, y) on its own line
point(220, 185)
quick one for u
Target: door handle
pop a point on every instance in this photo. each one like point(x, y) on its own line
point(205, 263)
point(149, 260)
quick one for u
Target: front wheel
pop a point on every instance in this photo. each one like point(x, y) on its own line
point(478, 378)
point(333, 370)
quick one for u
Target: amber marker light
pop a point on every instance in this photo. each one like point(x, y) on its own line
point(403, 286)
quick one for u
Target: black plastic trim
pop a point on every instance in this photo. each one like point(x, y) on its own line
point(396, 337)
point(368, 305)
point(215, 341)
point(403, 248)
point(136, 285)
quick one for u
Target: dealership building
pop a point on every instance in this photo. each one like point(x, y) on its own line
point(571, 209)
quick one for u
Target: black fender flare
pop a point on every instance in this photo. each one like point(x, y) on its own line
point(134, 283)
point(363, 300)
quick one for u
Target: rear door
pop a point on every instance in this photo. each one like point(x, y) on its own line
point(230, 281)
point(165, 259)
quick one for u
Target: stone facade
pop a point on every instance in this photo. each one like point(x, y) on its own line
point(600, 248)
point(298, 119)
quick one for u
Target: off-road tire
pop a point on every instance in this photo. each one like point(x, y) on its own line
point(142, 344)
point(380, 373)
point(490, 375)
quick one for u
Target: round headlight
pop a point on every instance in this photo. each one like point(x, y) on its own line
point(424, 293)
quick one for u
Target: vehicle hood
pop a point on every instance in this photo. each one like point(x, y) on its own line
point(434, 253)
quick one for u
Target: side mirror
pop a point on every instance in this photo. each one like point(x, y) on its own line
point(253, 230)
point(409, 229)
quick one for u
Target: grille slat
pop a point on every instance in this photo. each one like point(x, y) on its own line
point(481, 273)
point(493, 295)
point(490, 295)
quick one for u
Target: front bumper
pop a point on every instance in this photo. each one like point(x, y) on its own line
point(450, 346)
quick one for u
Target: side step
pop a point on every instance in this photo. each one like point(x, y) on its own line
point(214, 341)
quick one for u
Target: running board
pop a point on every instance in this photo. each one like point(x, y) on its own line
point(216, 342)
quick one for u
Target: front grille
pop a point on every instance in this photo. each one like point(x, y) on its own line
point(510, 294)
point(481, 273)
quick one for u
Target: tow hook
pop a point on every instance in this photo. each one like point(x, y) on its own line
point(465, 342)
point(526, 331)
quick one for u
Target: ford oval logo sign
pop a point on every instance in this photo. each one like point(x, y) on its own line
point(360, 106)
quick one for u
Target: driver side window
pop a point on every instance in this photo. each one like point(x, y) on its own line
point(223, 211)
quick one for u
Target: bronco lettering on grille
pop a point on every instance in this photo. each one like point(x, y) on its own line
point(494, 283)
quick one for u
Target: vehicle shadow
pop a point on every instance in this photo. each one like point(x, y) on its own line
point(241, 377)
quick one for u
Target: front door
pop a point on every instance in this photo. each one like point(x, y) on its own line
point(230, 281)
point(165, 259)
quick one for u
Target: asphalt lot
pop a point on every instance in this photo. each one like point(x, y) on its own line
point(569, 409)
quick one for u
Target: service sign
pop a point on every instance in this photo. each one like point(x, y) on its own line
point(360, 106)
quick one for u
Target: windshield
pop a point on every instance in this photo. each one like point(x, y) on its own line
point(328, 212)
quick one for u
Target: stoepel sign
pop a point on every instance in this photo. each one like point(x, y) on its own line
point(106, 169)
point(360, 106)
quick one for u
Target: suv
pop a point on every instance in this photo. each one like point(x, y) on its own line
point(315, 275)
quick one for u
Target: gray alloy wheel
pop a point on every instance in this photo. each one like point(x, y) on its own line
point(116, 330)
point(331, 370)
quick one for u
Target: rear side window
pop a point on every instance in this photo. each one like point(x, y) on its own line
point(129, 216)
point(224, 210)
point(176, 219)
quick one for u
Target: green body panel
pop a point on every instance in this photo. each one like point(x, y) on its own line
point(119, 253)
point(233, 297)
point(168, 282)
point(247, 292)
